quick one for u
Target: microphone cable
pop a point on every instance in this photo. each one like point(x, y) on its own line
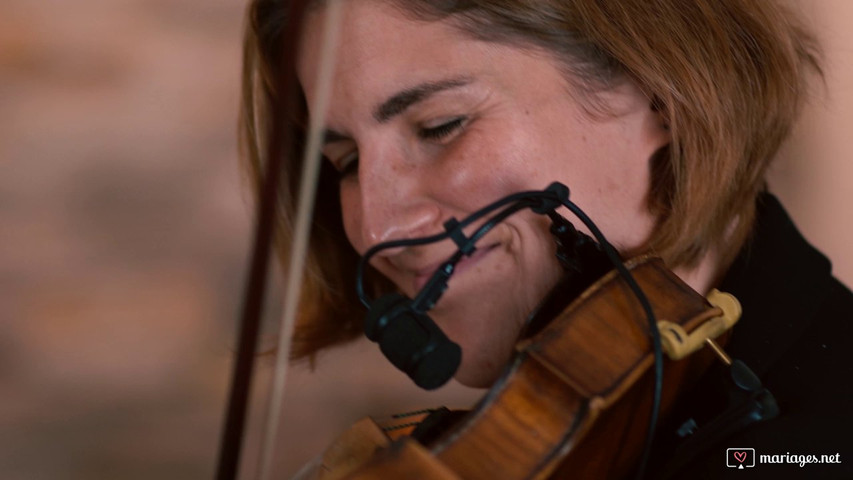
point(397, 306)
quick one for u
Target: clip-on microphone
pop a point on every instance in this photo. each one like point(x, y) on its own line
point(406, 335)
point(410, 339)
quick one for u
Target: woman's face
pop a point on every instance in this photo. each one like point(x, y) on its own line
point(425, 124)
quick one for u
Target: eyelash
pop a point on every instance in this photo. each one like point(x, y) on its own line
point(441, 131)
point(351, 167)
point(433, 133)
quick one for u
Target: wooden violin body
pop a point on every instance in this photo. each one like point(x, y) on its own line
point(573, 403)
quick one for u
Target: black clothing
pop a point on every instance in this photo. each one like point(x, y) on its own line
point(796, 334)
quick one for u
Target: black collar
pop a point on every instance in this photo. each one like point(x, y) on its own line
point(780, 281)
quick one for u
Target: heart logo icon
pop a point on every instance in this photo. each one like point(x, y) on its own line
point(740, 456)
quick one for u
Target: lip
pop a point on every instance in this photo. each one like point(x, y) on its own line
point(423, 275)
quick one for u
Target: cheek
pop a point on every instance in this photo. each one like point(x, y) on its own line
point(487, 166)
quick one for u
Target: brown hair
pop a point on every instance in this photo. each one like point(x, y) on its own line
point(729, 77)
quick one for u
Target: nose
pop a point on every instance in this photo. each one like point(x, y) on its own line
point(394, 197)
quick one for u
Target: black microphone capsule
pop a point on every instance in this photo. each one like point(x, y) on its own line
point(412, 341)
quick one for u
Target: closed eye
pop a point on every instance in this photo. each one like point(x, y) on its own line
point(442, 131)
point(348, 165)
point(341, 152)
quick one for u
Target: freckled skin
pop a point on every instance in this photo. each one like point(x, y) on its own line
point(523, 128)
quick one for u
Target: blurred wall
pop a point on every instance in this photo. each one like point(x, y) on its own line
point(123, 235)
point(814, 174)
point(125, 226)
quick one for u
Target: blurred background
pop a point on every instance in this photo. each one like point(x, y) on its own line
point(125, 224)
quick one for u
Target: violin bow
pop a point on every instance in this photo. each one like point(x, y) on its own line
point(233, 432)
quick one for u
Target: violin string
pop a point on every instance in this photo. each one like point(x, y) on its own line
point(305, 209)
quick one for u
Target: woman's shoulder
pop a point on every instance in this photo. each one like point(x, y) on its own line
point(796, 334)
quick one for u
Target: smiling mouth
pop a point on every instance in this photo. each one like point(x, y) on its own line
point(464, 264)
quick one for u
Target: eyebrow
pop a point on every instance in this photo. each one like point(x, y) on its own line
point(399, 102)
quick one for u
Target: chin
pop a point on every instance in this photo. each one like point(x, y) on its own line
point(487, 345)
point(483, 372)
point(473, 379)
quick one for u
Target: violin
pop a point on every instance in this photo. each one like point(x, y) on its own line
point(572, 399)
